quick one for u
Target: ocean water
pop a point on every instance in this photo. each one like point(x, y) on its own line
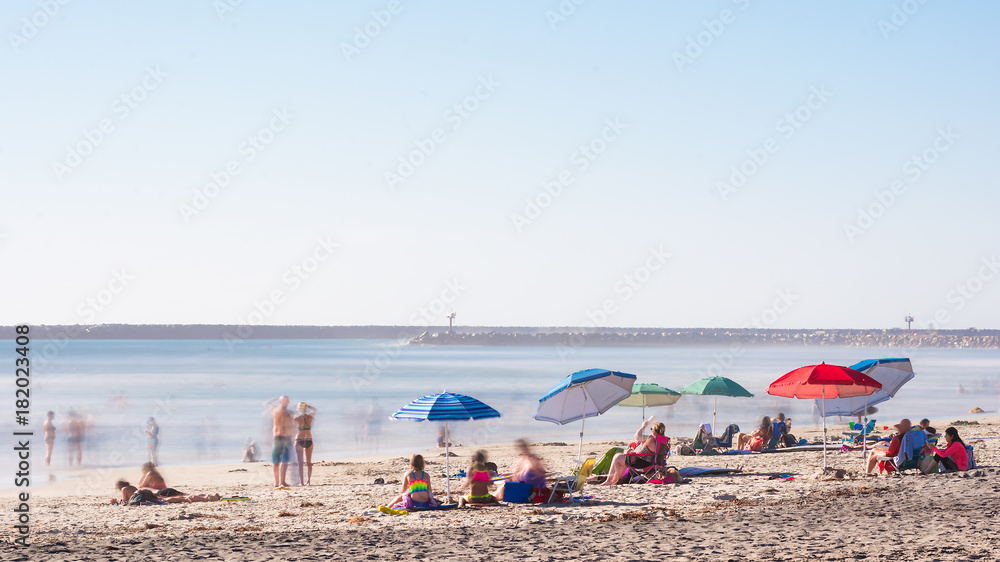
point(207, 396)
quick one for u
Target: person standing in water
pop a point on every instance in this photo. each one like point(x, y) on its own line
point(153, 441)
point(283, 424)
point(304, 441)
point(74, 438)
point(49, 427)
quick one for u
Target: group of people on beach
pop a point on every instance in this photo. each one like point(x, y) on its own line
point(769, 433)
point(291, 431)
point(954, 457)
point(75, 433)
point(153, 489)
point(481, 479)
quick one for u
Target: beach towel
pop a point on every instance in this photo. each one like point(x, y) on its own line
point(145, 497)
point(604, 465)
point(407, 503)
point(689, 471)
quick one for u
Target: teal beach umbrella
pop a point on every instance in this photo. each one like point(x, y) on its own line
point(716, 386)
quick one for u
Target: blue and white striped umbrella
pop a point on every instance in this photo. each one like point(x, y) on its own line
point(445, 407)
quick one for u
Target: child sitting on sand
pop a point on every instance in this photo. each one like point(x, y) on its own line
point(416, 486)
point(479, 482)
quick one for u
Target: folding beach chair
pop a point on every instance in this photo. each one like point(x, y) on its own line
point(573, 483)
point(909, 452)
point(778, 432)
point(659, 457)
point(726, 439)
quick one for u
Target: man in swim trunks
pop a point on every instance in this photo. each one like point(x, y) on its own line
point(284, 429)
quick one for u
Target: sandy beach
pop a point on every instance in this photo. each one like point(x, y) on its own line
point(754, 514)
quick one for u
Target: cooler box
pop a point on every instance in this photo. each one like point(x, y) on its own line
point(516, 492)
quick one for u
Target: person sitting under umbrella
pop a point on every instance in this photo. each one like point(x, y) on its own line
point(902, 428)
point(479, 481)
point(643, 456)
point(756, 440)
point(704, 441)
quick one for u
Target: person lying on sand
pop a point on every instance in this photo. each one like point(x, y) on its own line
point(479, 481)
point(416, 485)
point(166, 495)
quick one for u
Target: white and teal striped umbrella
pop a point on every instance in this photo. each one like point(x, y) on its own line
point(445, 407)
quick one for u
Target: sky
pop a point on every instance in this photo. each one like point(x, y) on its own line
point(605, 164)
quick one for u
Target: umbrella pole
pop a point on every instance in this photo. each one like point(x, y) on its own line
point(447, 462)
point(864, 432)
point(715, 409)
point(824, 428)
point(583, 423)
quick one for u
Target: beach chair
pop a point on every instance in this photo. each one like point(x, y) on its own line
point(855, 437)
point(778, 432)
point(573, 483)
point(909, 452)
point(726, 439)
point(642, 475)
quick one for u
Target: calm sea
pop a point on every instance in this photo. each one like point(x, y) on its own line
point(207, 396)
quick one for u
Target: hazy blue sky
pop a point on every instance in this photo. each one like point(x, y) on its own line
point(866, 131)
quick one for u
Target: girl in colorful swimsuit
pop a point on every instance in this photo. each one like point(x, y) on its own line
point(416, 490)
point(304, 441)
point(479, 482)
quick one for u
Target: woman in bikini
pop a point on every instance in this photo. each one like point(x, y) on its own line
point(304, 440)
point(756, 440)
point(153, 481)
point(416, 490)
point(479, 481)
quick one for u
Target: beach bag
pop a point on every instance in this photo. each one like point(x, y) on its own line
point(685, 450)
point(927, 464)
point(972, 460)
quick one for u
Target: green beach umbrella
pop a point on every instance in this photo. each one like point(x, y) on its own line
point(716, 386)
point(650, 394)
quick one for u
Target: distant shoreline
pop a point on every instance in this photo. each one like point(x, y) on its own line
point(531, 336)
